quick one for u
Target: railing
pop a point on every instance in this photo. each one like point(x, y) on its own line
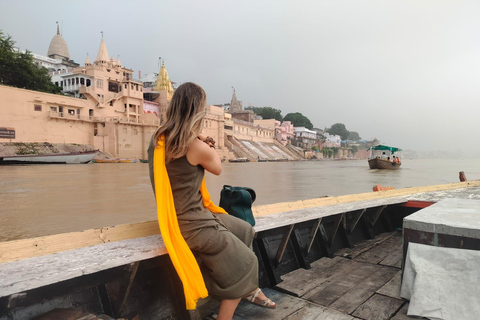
point(69, 116)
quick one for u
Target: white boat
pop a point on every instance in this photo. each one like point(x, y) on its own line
point(60, 158)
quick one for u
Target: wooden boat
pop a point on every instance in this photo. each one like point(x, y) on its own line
point(354, 239)
point(239, 160)
point(384, 157)
point(143, 160)
point(59, 158)
point(115, 161)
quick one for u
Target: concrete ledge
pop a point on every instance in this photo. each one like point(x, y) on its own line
point(456, 217)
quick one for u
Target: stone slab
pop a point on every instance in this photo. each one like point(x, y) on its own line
point(451, 216)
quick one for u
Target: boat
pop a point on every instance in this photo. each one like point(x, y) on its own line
point(384, 157)
point(277, 160)
point(143, 160)
point(59, 158)
point(115, 161)
point(353, 248)
point(239, 160)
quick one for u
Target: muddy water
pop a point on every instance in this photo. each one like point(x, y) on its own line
point(38, 200)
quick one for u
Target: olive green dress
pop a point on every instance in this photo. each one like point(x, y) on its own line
point(222, 243)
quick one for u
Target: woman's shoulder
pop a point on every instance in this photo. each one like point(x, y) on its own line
point(196, 151)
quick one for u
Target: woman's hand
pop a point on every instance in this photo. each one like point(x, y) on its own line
point(202, 153)
point(207, 139)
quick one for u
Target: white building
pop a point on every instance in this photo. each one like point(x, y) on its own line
point(332, 140)
point(304, 138)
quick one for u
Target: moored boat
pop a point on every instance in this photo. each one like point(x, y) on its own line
point(143, 160)
point(59, 158)
point(239, 160)
point(115, 161)
point(384, 157)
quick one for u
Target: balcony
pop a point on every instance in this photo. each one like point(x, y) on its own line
point(69, 116)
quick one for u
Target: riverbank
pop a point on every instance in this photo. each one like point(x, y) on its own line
point(46, 148)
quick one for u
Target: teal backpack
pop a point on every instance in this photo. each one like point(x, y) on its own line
point(237, 201)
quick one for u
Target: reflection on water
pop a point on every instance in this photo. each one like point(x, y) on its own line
point(41, 200)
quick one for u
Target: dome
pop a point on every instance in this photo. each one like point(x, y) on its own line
point(58, 47)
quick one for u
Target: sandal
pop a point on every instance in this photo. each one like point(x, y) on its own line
point(253, 298)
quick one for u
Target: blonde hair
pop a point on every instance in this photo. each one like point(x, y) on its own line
point(184, 120)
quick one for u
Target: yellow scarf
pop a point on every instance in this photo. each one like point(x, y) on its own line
point(182, 257)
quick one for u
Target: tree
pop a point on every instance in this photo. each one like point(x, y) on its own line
point(267, 112)
point(339, 129)
point(298, 120)
point(354, 136)
point(354, 149)
point(328, 152)
point(18, 69)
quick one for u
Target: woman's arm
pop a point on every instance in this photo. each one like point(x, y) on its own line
point(201, 153)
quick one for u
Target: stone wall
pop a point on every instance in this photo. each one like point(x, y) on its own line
point(41, 117)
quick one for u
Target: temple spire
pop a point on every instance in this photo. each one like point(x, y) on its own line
point(58, 28)
point(87, 62)
point(102, 55)
point(163, 81)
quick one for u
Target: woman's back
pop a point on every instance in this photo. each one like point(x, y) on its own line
point(185, 181)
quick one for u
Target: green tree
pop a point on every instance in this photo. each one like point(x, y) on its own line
point(267, 112)
point(354, 136)
point(18, 69)
point(339, 129)
point(315, 148)
point(354, 149)
point(328, 152)
point(298, 120)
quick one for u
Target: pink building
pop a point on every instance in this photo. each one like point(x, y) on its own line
point(284, 132)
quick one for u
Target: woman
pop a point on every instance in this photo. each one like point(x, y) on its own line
point(222, 243)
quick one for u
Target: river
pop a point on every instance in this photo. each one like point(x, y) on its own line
point(38, 200)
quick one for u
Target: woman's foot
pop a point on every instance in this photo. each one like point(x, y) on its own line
point(257, 297)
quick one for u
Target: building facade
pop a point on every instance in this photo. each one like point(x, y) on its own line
point(105, 109)
point(304, 138)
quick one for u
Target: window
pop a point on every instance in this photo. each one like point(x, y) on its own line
point(90, 113)
point(111, 103)
point(60, 109)
point(82, 81)
point(53, 109)
point(136, 87)
point(37, 107)
point(71, 112)
point(125, 86)
point(113, 86)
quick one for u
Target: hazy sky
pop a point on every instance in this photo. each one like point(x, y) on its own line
point(406, 72)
